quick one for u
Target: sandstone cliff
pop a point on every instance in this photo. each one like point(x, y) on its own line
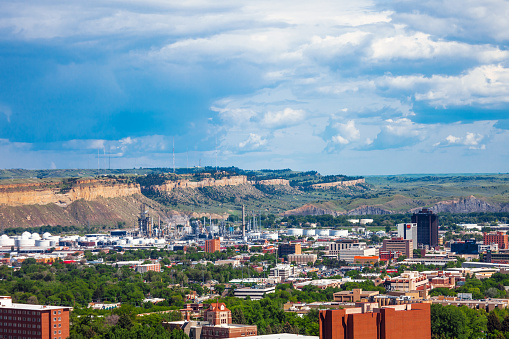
point(273, 182)
point(207, 182)
point(63, 195)
point(339, 184)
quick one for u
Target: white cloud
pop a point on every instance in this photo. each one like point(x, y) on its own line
point(6, 110)
point(253, 141)
point(452, 139)
point(340, 140)
point(422, 46)
point(285, 117)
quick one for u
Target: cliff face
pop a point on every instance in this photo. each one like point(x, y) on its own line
point(207, 182)
point(273, 182)
point(469, 204)
point(310, 209)
point(43, 194)
point(339, 184)
point(368, 210)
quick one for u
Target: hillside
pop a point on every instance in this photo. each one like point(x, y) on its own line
point(111, 200)
point(27, 201)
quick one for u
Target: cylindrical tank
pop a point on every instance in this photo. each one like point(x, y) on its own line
point(24, 242)
point(42, 243)
point(309, 232)
point(35, 236)
point(323, 232)
point(6, 241)
point(294, 231)
point(339, 233)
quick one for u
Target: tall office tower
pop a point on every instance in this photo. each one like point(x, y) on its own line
point(427, 227)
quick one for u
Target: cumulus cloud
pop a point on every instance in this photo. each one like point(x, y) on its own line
point(348, 133)
point(485, 85)
point(471, 139)
point(287, 116)
point(253, 141)
point(398, 133)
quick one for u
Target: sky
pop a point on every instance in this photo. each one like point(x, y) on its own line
point(341, 87)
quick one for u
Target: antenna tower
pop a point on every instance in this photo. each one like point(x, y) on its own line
point(173, 154)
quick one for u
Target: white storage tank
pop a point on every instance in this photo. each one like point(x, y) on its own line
point(46, 235)
point(26, 235)
point(35, 236)
point(23, 242)
point(42, 243)
point(294, 232)
point(6, 241)
point(309, 233)
point(339, 233)
point(323, 233)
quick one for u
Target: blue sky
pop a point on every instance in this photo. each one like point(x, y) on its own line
point(351, 87)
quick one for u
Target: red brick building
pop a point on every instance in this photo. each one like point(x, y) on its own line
point(499, 238)
point(220, 319)
point(32, 321)
point(391, 322)
point(212, 245)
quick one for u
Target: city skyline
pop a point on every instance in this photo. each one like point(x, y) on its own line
point(363, 88)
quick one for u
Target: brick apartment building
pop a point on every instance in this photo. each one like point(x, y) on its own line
point(212, 245)
point(499, 238)
point(32, 321)
point(148, 267)
point(404, 246)
point(390, 322)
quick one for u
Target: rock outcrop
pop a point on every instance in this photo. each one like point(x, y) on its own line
point(274, 182)
point(207, 182)
point(62, 195)
point(368, 210)
point(310, 209)
point(346, 183)
point(469, 204)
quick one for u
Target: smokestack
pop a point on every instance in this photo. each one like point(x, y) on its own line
point(243, 222)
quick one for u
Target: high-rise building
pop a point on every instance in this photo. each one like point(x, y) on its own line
point(427, 227)
point(408, 231)
point(212, 245)
point(33, 321)
point(286, 249)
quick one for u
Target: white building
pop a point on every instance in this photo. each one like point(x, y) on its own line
point(357, 250)
point(284, 271)
point(408, 231)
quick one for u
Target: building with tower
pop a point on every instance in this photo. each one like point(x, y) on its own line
point(427, 227)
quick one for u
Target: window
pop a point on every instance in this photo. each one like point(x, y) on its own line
point(54, 319)
point(59, 312)
point(59, 325)
point(54, 332)
point(54, 312)
point(55, 326)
